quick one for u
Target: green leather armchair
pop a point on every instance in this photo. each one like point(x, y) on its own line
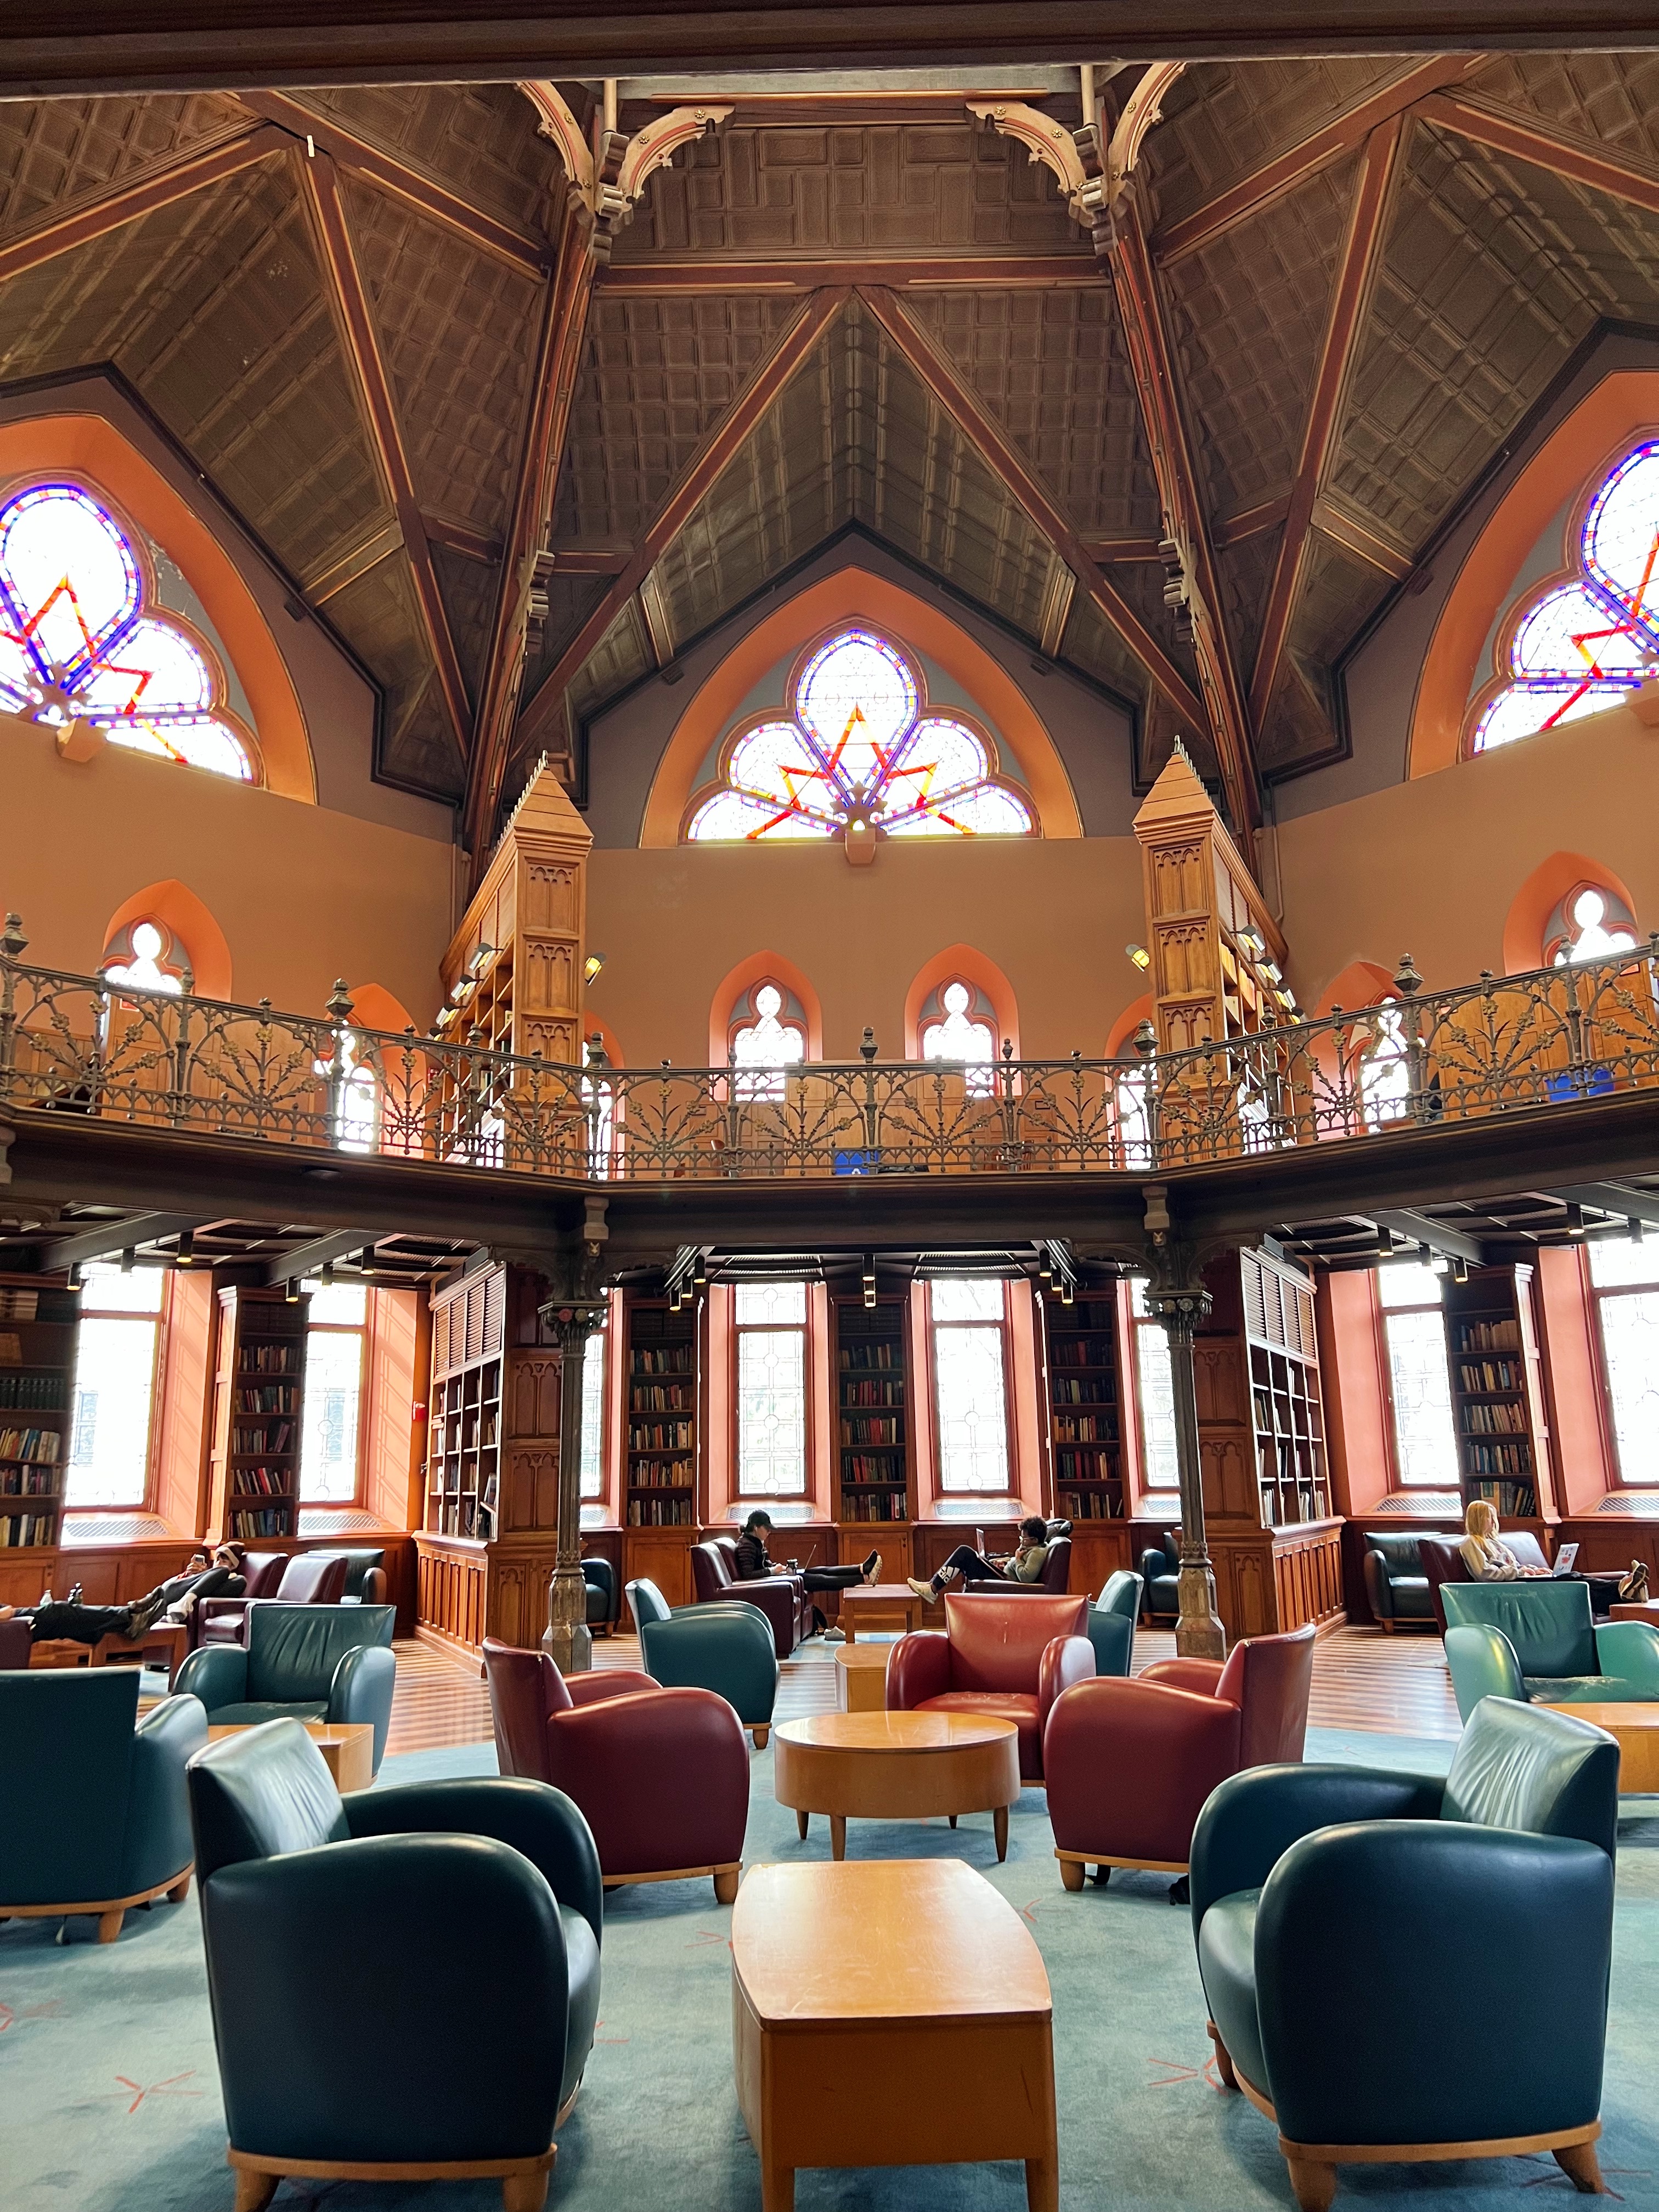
point(1304, 1878)
point(1536, 1641)
point(1111, 1623)
point(479, 1903)
point(94, 1816)
point(311, 1662)
point(728, 1648)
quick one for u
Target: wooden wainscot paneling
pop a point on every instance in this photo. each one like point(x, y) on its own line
point(451, 1574)
point(1307, 1575)
point(1099, 1548)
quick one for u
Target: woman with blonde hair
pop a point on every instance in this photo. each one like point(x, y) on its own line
point(1484, 1554)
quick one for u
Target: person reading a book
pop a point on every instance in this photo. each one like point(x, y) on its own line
point(1484, 1554)
point(76, 1622)
point(1025, 1564)
point(753, 1560)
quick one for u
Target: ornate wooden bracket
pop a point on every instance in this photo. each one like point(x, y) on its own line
point(1093, 176)
point(608, 173)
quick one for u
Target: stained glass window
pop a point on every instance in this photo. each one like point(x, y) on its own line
point(81, 638)
point(765, 1045)
point(771, 1330)
point(971, 1385)
point(1580, 646)
point(859, 747)
point(1590, 927)
point(592, 1466)
point(955, 1035)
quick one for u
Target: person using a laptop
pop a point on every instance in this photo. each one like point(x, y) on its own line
point(1484, 1554)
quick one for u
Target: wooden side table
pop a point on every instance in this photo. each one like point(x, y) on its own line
point(1635, 1728)
point(890, 2012)
point(348, 1749)
point(880, 1606)
point(862, 1677)
point(1648, 1610)
point(164, 1637)
point(896, 1766)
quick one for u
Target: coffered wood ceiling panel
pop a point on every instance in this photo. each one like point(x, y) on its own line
point(379, 615)
point(773, 188)
point(479, 139)
point(469, 589)
point(1246, 575)
point(1610, 102)
point(55, 155)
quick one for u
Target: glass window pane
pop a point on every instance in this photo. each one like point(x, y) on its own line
point(1424, 1440)
point(593, 1475)
point(1615, 1261)
point(771, 1412)
point(115, 1379)
point(1137, 1288)
point(328, 1439)
point(972, 1414)
point(1408, 1286)
point(342, 1305)
point(960, 1297)
point(106, 1290)
point(1629, 1336)
point(774, 1305)
point(1157, 1424)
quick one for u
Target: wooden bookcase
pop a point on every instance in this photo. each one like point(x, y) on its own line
point(1287, 1414)
point(874, 1470)
point(37, 1375)
point(1083, 1414)
point(1496, 1392)
point(258, 1412)
point(463, 1431)
point(660, 1440)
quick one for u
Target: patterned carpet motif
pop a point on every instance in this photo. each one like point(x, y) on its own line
point(109, 2097)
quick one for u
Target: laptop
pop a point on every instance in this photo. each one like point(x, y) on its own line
point(1564, 1559)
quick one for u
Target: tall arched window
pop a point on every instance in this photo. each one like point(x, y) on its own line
point(957, 1025)
point(83, 636)
point(767, 1036)
point(853, 752)
point(1591, 923)
point(1578, 644)
point(1385, 1076)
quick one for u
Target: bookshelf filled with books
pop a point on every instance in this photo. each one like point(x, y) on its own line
point(1085, 1432)
point(259, 1414)
point(1496, 1392)
point(37, 1375)
point(874, 1474)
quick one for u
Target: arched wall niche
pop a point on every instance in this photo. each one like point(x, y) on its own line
point(88, 446)
point(1119, 1039)
point(762, 967)
point(1608, 419)
point(595, 1025)
point(375, 1007)
point(972, 966)
point(854, 594)
point(1538, 898)
point(189, 922)
point(1361, 983)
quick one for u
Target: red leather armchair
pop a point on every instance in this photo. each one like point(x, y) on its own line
point(1010, 1657)
point(781, 1598)
point(1130, 1762)
point(661, 1776)
point(299, 1578)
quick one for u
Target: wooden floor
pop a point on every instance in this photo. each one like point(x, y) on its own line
point(1363, 1679)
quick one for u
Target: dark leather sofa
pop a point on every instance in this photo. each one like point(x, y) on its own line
point(1443, 1562)
point(782, 1597)
point(303, 1579)
point(1302, 1881)
point(451, 1888)
point(1397, 1587)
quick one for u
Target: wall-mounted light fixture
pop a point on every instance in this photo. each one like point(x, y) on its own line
point(1140, 956)
point(592, 966)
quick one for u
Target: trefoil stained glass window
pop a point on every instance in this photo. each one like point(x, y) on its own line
point(83, 639)
point(1580, 644)
point(856, 753)
point(766, 1044)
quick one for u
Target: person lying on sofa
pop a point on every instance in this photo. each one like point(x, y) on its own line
point(1484, 1554)
point(1023, 1565)
point(77, 1623)
point(753, 1560)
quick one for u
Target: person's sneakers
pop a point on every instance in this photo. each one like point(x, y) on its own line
point(923, 1590)
point(142, 1617)
point(835, 1636)
point(872, 1569)
point(77, 1596)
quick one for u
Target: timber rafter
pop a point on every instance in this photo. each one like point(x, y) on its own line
point(1527, 141)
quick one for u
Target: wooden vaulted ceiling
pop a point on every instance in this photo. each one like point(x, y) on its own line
point(1334, 291)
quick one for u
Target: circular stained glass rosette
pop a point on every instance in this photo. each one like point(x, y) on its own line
point(857, 699)
point(70, 583)
point(1621, 540)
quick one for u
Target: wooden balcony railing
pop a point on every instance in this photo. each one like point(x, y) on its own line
point(1418, 1061)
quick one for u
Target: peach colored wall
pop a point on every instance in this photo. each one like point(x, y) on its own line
point(1054, 916)
point(1432, 867)
point(302, 894)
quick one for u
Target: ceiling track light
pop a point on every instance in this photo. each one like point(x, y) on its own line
point(870, 1282)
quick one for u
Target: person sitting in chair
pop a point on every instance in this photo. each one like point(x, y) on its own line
point(754, 1561)
point(1023, 1565)
point(1484, 1553)
point(78, 1623)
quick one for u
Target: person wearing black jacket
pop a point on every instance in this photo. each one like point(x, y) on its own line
point(78, 1623)
point(754, 1560)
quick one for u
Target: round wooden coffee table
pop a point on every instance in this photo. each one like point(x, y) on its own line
point(896, 1766)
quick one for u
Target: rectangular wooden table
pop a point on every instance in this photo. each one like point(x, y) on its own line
point(1636, 1728)
point(890, 2012)
point(167, 1637)
point(880, 1606)
point(348, 1748)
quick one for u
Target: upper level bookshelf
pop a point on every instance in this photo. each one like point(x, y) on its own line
point(37, 1376)
point(258, 1413)
point(873, 1433)
point(1496, 1390)
point(1084, 1411)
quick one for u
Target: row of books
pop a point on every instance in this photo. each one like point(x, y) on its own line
point(880, 1355)
point(874, 1394)
point(1085, 1428)
point(678, 1362)
point(261, 1439)
point(1078, 1467)
point(27, 1482)
point(1496, 1419)
point(1517, 1499)
point(27, 1392)
point(269, 1398)
point(856, 1467)
point(661, 1474)
point(1068, 1391)
point(40, 1444)
point(661, 1435)
point(261, 1482)
point(1489, 1375)
point(660, 1398)
point(39, 1305)
point(1489, 1336)
point(269, 1520)
point(660, 1512)
point(1499, 1459)
point(1079, 1351)
point(270, 1359)
point(874, 1506)
point(20, 1530)
point(1091, 1505)
point(873, 1429)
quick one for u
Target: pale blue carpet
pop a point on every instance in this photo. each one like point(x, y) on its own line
point(109, 2098)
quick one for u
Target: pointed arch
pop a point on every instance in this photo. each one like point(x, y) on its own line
point(970, 965)
point(763, 967)
point(1538, 898)
point(1361, 983)
point(1120, 1038)
point(189, 922)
